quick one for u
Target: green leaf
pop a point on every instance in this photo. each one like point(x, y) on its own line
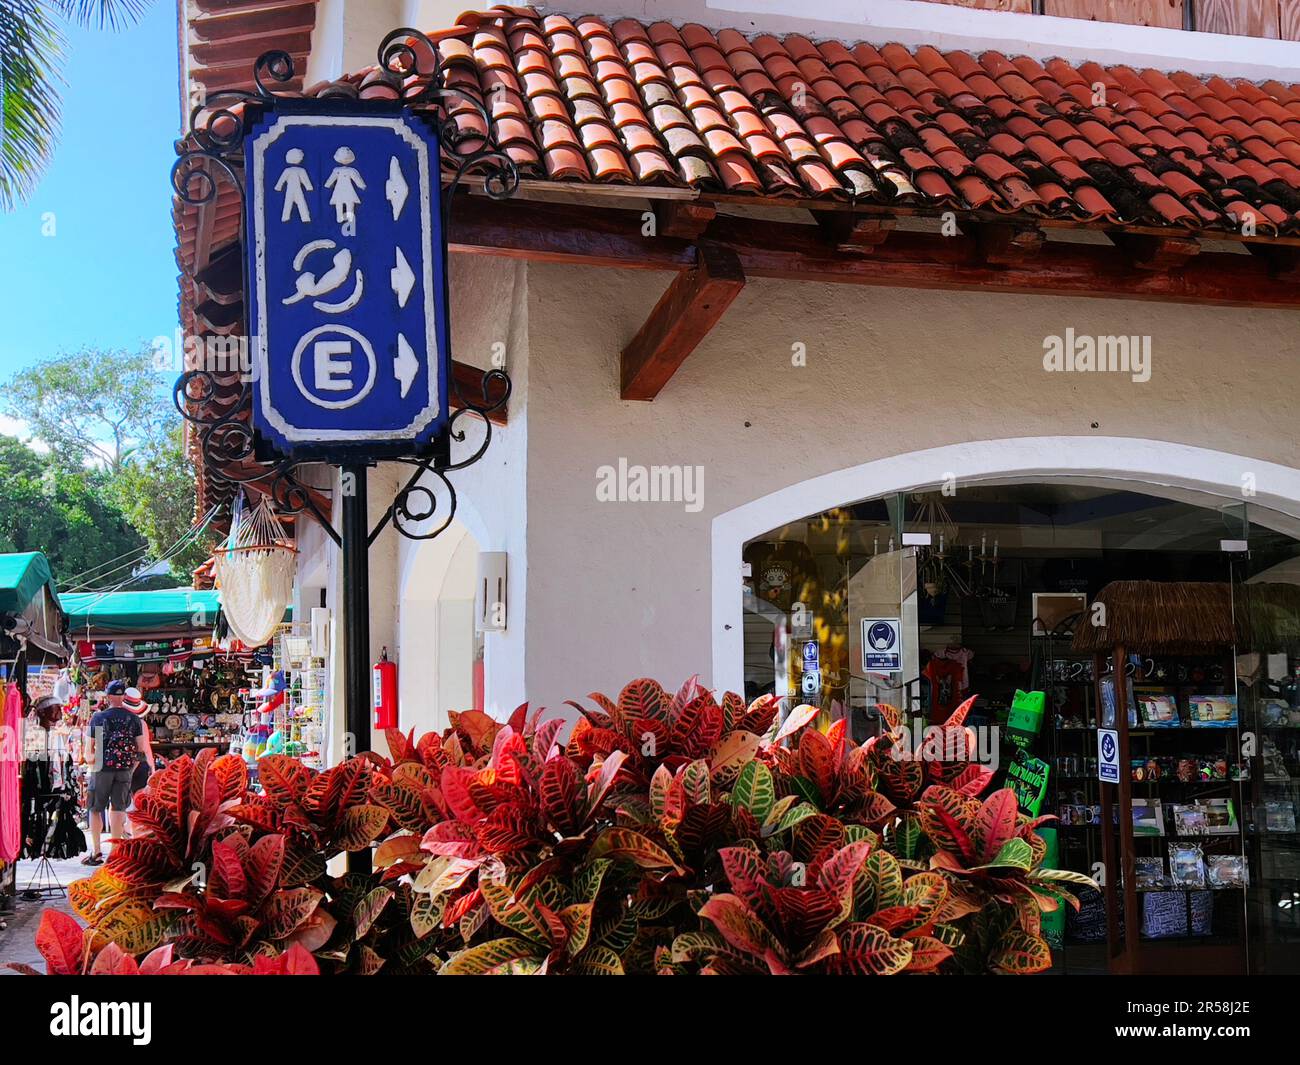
point(490, 957)
point(1015, 853)
point(631, 846)
point(755, 790)
point(1068, 876)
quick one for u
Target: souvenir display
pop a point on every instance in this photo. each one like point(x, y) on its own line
point(1148, 817)
point(1186, 865)
point(1226, 870)
point(1157, 709)
point(1279, 816)
point(1205, 817)
point(1212, 711)
point(1149, 874)
point(1027, 777)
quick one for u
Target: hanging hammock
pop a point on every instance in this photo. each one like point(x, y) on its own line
point(254, 570)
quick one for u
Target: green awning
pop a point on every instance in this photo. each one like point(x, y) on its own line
point(22, 576)
point(159, 610)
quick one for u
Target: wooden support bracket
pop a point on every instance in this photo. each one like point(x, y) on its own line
point(685, 313)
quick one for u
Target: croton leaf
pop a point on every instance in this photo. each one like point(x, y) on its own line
point(995, 824)
point(885, 879)
point(284, 780)
point(740, 926)
point(866, 950)
point(61, 941)
point(604, 780)
point(643, 699)
point(946, 818)
point(289, 908)
point(736, 749)
point(733, 709)
point(1013, 854)
point(114, 961)
point(367, 911)
point(632, 846)
point(133, 925)
point(490, 957)
point(817, 764)
point(360, 826)
point(427, 913)
point(927, 954)
point(794, 721)
point(754, 790)
point(1067, 876)
point(1020, 953)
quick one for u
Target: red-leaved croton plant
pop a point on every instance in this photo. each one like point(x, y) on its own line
point(673, 833)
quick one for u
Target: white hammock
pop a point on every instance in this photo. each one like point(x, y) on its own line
point(254, 571)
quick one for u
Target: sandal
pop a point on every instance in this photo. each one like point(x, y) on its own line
point(93, 859)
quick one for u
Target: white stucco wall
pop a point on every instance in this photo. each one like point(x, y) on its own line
point(617, 590)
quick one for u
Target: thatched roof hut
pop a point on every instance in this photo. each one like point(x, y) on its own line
point(1194, 617)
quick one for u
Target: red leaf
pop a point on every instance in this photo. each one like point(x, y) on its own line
point(114, 961)
point(560, 791)
point(157, 960)
point(995, 823)
point(263, 865)
point(61, 941)
point(227, 880)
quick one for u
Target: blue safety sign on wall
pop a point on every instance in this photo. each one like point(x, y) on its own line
point(347, 282)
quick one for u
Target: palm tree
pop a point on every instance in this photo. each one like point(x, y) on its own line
point(31, 61)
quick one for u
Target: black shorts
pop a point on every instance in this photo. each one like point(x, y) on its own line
point(110, 788)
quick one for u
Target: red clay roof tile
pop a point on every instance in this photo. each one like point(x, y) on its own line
point(653, 103)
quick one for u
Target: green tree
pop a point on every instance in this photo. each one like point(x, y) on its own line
point(32, 52)
point(156, 492)
point(107, 411)
point(93, 407)
point(68, 514)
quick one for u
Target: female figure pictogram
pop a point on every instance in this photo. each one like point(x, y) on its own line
point(345, 181)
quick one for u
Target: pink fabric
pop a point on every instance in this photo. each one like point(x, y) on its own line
point(10, 765)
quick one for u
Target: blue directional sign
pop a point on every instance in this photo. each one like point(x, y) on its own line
point(347, 282)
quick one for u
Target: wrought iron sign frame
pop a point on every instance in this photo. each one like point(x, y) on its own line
point(212, 151)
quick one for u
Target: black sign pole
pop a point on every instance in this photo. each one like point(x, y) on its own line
point(356, 622)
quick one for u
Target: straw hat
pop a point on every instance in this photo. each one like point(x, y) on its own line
point(134, 701)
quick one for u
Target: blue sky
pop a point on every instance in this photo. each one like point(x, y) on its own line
point(107, 278)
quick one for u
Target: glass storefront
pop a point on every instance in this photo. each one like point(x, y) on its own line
point(921, 600)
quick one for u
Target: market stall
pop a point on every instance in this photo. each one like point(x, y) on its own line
point(34, 790)
point(1200, 864)
point(203, 686)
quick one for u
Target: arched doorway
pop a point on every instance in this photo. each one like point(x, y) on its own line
point(961, 553)
point(1174, 471)
point(441, 653)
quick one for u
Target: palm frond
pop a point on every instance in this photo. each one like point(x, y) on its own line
point(31, 56)
point(103, 14)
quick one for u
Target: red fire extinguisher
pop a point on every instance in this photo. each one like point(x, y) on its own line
point(384, 691)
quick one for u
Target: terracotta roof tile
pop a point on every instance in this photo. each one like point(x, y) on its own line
point(627, 101)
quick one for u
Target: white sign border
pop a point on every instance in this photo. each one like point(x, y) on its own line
point(432, 409)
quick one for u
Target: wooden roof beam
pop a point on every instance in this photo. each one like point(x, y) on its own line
point(1006, 243)
point(854, 234)
point(685, 313)
point(1145, 252)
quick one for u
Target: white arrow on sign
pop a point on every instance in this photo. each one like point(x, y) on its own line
point(405, 365)
point(395, 188)
point(402, 278)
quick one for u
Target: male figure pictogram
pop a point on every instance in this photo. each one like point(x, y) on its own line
point(293, 182)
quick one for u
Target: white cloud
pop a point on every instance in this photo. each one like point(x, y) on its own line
point(19, 428)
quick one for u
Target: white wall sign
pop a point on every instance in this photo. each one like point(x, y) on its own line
point(1108, 756)
point(882, 645)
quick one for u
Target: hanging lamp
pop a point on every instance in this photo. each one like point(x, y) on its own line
point(254, 571)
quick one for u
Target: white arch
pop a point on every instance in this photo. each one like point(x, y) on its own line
point(1175, 471)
